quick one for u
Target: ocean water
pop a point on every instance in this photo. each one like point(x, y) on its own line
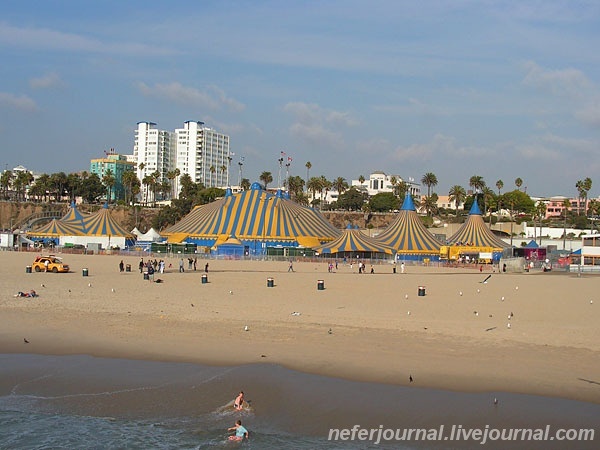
point(81, 402)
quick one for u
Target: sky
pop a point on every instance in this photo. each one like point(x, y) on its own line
point(497, 89)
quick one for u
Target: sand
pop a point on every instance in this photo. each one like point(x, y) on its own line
point(364, 327)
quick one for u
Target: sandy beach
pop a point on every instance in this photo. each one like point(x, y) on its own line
point(367, 327)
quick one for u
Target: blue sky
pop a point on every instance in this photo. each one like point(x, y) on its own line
point(457, 88)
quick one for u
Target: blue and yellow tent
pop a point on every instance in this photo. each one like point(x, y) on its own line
point(256, 218)
point(75, 217)
point(353, 241)
point(475, 233)
point(408, 236)
point(101, 223)
point(54, 230)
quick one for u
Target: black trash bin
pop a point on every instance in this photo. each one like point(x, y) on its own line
point(320, 285)
point(270, 282)
point(28, 269)
point(204, 278)
point(128, 268)
point(421, 291)
point(146, 276)
point(84, 272)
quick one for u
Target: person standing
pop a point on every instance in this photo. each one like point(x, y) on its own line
point(141, 265)
point(121, 266)
point(181, 269)
point(206, 268)
point(291, 266)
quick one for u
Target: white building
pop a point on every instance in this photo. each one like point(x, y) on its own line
point(203, 154)
point(379, 182)
point(153, 150)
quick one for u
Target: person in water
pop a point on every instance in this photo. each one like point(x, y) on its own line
point(240, 431)
point(238, 403)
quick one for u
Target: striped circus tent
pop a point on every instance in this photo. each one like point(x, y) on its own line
point(353, 241)
point(408, 236)
point(75, 217)
point(101, 223)
point(475, 233)
point(54, 229)
point(256, 218)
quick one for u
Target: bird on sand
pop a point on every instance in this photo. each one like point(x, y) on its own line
point(495, 401)
point(410, 379)
point(89, 284)
point(192, 305)
point(25, 341)
point(43, 285)
point(330, 331)
point(246, 328)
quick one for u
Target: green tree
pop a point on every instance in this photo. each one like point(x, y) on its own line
point(518, 183)
point(129, 179)
point(457, 195)
point(58, 181)
point(6, 180)
point(340, 185)
point(315, 185)
point(308, 166)
point(351, 200)
point(429, 180)
point(295, 186)
point(384, 202)
point(361, 179)
point(245, 184)
point(430, 203)
point(109, 181)
point(213, 171)
point(266, 178)
point(92, 188)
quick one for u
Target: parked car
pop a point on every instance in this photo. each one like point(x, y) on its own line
point(54, 264)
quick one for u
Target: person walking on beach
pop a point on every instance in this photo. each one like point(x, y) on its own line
point(240, 431)
point(181, 269)
point(206, 268)
point(195, 262)
point(141, 265)
point(402, 267)
point(121, 266)
point(291, 266)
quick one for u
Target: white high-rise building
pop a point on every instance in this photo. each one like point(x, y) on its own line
point(203, 154)
point(153, 151)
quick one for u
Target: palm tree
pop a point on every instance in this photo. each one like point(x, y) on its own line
point(488, 196)
point(429, 179)
point(266, 178)
point(213, 170)
point(340, 185)
point(540, 212)
point(361, 179)
point(109, 181)
point(128, 179)
point(566, 205)
point(6, 180)
point(499, 186)
point(245, 184)
point(518, 183)
point(223, 170)
point(457, 194)
point(314, 185)
point(308, 166)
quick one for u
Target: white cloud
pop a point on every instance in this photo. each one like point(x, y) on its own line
point(590, 115)
point(571, 82)
point(22, 102)
point(440, 146)
point(317, 135)
point(50, 80)
point(213, 98)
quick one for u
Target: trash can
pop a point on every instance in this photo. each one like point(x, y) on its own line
point(204, 278)
point(146, 276)
point(270, 282)
point(394, 269)
point(84, 272)
point(28, 269)
point(128, 268)
point(421, 291)
point(320, 285)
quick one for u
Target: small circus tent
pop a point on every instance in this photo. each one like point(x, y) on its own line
point(136, 231)
point(231, 247)
point(258, 219)
point(474, 238)
point(101, 228)
point(353, 242)
point(408, 236)
point(53, 231)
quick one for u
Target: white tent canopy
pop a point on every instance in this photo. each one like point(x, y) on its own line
point(150, 236)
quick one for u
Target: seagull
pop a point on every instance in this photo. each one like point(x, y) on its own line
point(502, 298)
point(192, 305)
point(405, 295)
point(591, 302)
point(460, 293)
point(516, 288)
point(508, 325)
point(263, 356)
point(43, 285)
point(230, 292)
point(246, 328)
point(25, 341)
point(410, 379)
point(476, 313)
point(330, 331)
point(495, 401)
point(509, 316)
point(478, 291)
point(112, 290)
point(408, 313)
point(89, 284)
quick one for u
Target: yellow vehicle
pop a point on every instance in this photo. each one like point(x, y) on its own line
point(49, 263)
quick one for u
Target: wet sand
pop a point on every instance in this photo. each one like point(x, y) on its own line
point(357, 328)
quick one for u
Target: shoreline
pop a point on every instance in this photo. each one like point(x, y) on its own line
point(552, 348)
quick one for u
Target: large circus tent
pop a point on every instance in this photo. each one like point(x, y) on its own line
point(354, 243)
point(474, 237)
point(408, 236)
point(260, 221)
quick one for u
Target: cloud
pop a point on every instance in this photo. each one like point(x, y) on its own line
point(317, 135)
point(51, 80)
point(47, 39)
point(439, 146)
point(22, 102)
point(590, 115)
point(571, 82)
point(213, 98)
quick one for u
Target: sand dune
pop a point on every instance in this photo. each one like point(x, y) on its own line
point(455, 337)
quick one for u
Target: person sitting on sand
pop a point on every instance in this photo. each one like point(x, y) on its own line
point(31, 293)
point(240, 431)
point(238, 403)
